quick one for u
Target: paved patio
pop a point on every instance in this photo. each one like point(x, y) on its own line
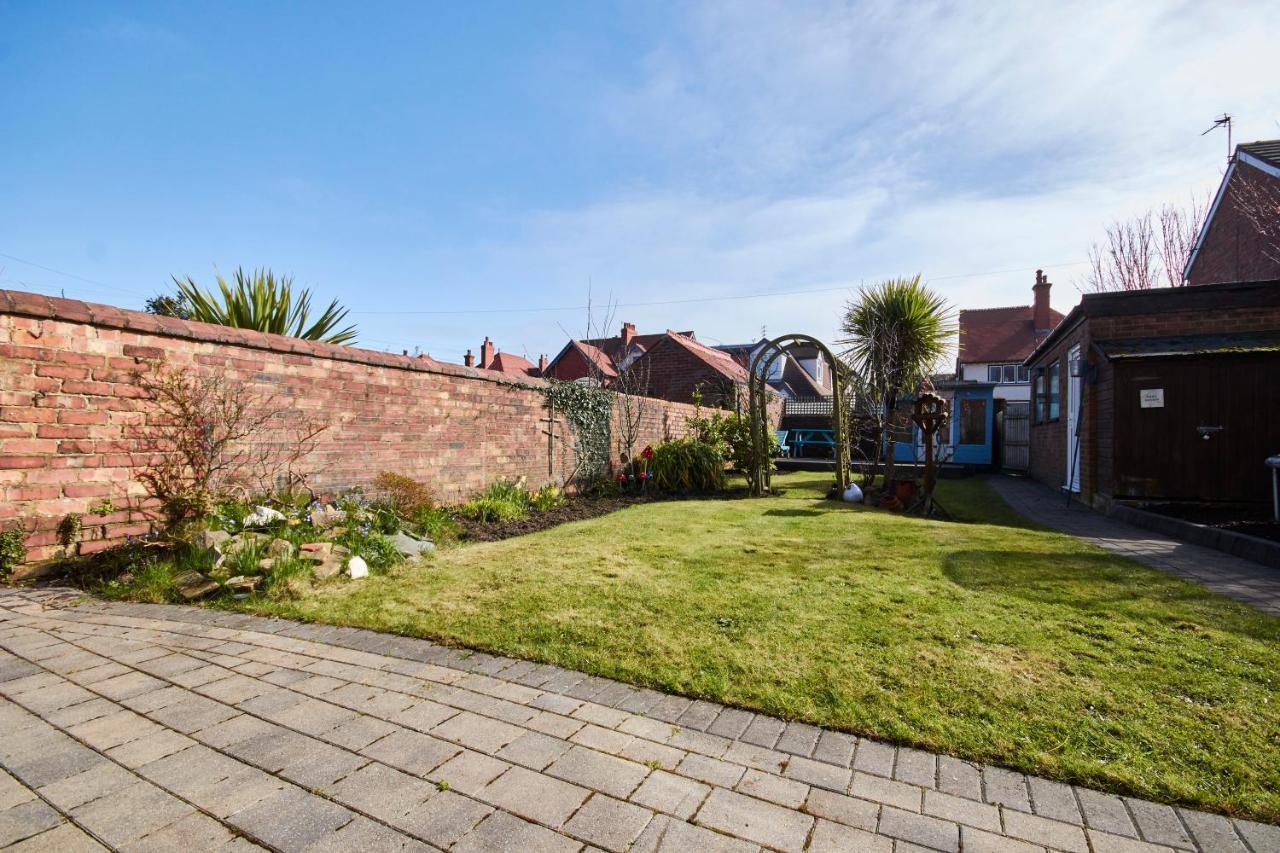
point(1253, 583)
point(158, 728)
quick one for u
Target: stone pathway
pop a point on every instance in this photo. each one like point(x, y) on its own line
point(159, 728)
point(1243, 580)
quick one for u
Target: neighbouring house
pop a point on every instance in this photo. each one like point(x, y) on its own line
point(669, 365)
point(1169, 393)
point(800, 373)
point(504, 362)
point(1240, 237)
point(994, 342)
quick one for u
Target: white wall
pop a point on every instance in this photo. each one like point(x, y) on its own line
point(977, 372)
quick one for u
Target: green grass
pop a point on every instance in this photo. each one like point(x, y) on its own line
point(987, 639)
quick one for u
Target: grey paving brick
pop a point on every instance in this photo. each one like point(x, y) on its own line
point(606, 773)
point(831, 837)
point(671, 794)
point(362, 834)
point(192, 714)
point(641, 701)
point(1211, 832)
point(602, 739)
point(798, 739)
point(412, 752)
point(730, 722)
point(916, 767)
point(713, 771)
point(818, 773)
point(669, 708)
point(151, 747)
point(424, 716)
point(1105, 842)
point(1262, 838)
point(291, 819)
point(64, 838)
point(754, 820)
point(668, 835)
point(699, 742)
point(764, 731)
point(1045, 832)
point(1054, 800)
point(469, 771)
point(191, 833)
point(534, 750)
point(477, 732)
point(381, 791)
point(1004, 787)
point(1158, 823)
point(534, 796)
point(961, 810)
point(601, 715)
point(504, 832)
point(66, 759)
point(759, 757)
point(648, 753)
point(131, 813)
point(887, 791)
point(874, 757)
point(862, 814)
point(920, 829)
point(25, 820)
point(959, 778)
point(775, 789)
point(1105, 812)
point(553, 724)
point(608, 823)
point(979, 841)
point(102, 780)
point(700, 715)
point(835, 748)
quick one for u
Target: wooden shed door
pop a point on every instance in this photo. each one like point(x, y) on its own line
point(1197, 427)
point(1015, 435)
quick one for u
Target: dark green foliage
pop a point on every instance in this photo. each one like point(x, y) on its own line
point(434, 524)
point(730, 434)
point(12, 552)
point(589, 411)
point(687, 465)
point(169, 305)
point(261, 302)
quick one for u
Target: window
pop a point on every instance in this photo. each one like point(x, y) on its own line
point(901, 423)
point(1037, 408)
point(973, 421)
point(1054, 370)
point(1008, 373)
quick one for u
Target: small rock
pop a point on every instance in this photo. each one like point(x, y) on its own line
point(262, 516)
point(327, 516)
point(328, 567)
point(280, 548)
point(211, 540)
point(408, 545)
point(317, 549)
point(242, 583)
point(266, 564)
point(193, 585)
point(357, 568)
point(125, 579)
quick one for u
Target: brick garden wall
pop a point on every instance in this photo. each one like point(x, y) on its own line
point(72, 414)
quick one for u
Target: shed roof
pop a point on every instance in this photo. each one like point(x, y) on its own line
point(1191, 345)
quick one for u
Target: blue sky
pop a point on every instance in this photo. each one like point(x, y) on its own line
point(475, 158)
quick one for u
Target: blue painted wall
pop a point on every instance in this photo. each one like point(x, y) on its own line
point(965, 454)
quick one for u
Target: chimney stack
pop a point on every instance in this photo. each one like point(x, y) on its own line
point(628, 333)
point(486, 353)
point(1040, 312)
point(542, 364)
point(469, 360)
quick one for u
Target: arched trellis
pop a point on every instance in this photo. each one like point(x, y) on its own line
point(761, 481)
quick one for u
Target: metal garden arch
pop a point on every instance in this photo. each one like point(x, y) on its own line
point(761, 481)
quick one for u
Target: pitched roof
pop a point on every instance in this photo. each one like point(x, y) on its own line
point(721, 362)
point(513, 365)
point(607, 353)
point(1267, 150)
point(1210, 344)
point(1000, 334)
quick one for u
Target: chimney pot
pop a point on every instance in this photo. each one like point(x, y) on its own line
point(1040, 309)
point(542, 364)
point(469, 360)
point(628, 333)
point(486, 353)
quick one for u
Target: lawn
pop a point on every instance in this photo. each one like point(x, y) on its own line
point(987, 639)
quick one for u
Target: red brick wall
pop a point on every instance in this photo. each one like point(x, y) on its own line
point(70, 413)
point(1209, 311)
point(1233, 249)
point(571, 366)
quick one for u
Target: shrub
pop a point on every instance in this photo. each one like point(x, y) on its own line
point(687, 465)
point(546, 498)
point(374, 548)
point(12, 552)
point(731, 435)
point(504, 500)
point(406, 495)
point(434, 524)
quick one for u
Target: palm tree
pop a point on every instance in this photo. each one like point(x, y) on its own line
point(265, 304)
point(895, 333)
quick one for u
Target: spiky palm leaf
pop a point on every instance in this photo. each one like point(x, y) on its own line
point(265, 304)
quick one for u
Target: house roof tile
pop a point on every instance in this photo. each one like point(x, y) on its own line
point(1000, 334)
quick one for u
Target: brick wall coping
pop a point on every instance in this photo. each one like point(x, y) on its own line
point(21, 303)
point(1162, 300)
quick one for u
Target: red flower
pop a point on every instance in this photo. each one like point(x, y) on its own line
point(647, 453)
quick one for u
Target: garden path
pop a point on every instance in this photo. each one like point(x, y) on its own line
point(155, 727)
point(1234, 577)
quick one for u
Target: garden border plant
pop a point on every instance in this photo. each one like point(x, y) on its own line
point(589, 412)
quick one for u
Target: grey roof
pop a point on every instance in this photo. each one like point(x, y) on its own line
point(1191, 345)
point(1265, 150)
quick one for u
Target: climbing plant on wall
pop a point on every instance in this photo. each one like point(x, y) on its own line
point(588, 409)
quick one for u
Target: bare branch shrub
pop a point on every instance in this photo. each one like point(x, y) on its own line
point(206, 438)
point(1135, 256)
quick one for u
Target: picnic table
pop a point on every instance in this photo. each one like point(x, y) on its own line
point(799, 439)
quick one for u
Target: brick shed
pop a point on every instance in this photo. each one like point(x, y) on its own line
point(1176, 393)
